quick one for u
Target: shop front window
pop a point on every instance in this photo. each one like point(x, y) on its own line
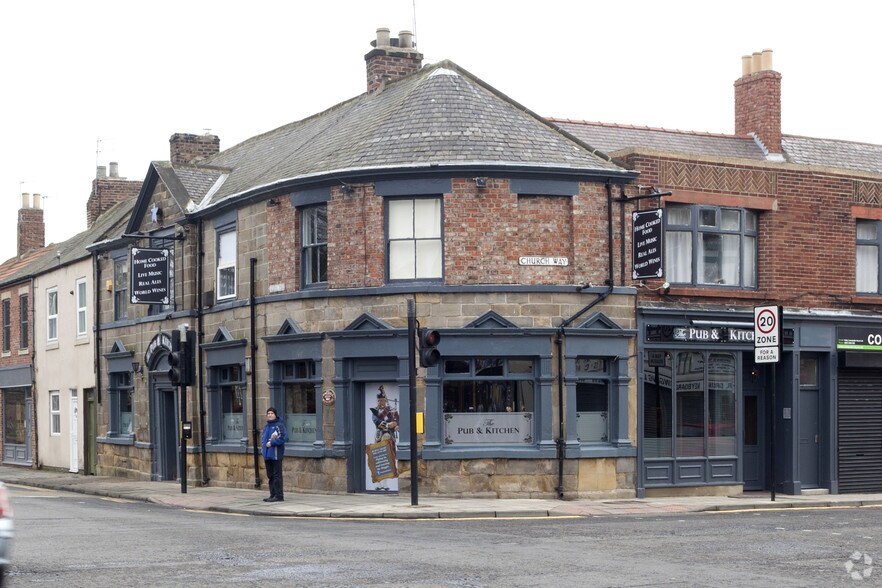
point(698, 404)
point(592, 400)
point(488, 400)
point(14, 417)
point(231, 397)
point(300, 405)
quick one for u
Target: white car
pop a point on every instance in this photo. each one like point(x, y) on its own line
point(6, 530)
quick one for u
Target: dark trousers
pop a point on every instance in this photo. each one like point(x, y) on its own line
point(274, 474)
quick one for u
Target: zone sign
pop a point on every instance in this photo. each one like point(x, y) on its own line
point(766, 326)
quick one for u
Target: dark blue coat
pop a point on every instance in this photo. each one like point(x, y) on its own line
point(276, 450)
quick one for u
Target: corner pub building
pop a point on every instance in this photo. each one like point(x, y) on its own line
point(293, 256)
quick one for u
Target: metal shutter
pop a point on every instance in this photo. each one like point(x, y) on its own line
point(860, 430)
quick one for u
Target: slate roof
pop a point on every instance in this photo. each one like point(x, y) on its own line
point(832, 153)
point(441, 116)
point(611, 138)
point(41, 261)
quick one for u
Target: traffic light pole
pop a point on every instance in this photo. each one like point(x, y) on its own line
point(183, 394)
point(411, 363)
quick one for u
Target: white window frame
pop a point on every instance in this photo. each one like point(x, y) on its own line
point(51, 314)
point(225, 263)
point(414, 236)
point(870, 282)
point(82, 293)
point(55, 413)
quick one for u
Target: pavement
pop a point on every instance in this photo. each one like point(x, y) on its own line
point(398, 506)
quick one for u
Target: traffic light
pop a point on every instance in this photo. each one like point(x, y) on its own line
point(181, 360)
point(176, 359)
point(428, 341)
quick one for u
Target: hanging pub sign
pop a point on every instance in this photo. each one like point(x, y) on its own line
point(150, 276)
point(647, 244)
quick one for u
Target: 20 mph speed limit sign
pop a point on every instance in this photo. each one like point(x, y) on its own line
point(766, 334)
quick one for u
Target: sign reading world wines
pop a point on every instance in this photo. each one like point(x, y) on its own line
point(150, 276)
point(647, 244)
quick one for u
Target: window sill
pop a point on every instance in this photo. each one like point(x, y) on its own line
point(52, 344)
point(23, 352)
point(866, 299)
point(717, 293)
point(82, 340)
point(122, 440)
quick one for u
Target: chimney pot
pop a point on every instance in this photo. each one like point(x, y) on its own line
point(405, 39)
point(102, 172)
point(25, 200)
point(745, 65)
point(38, 202)
point(382, 37)
point(114, 169)
point(766, 59)
point(756, 62)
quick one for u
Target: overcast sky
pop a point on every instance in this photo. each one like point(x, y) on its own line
point(87, 83)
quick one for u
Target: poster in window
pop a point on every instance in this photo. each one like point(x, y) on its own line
point(381, 414)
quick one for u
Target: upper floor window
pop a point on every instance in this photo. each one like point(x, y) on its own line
point(314, 248)
point(24, 334)
point(226, 264)
point(414, 245)
point(869, 239)
point(81, 307)
point(7, 325)
point(120, 289)
point(52, 314)
point(710, 245)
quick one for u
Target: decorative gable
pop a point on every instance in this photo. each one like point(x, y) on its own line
point(600, 321)
point(118, 347)
point(222, 335)
point(368, 322)
point(289, 327)
point(491, 320)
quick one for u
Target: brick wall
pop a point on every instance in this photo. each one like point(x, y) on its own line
point(186, 148)
point(31, 230)
point(109, 191)
point(758, 107)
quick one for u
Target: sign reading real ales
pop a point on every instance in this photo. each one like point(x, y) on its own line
point(150, 276)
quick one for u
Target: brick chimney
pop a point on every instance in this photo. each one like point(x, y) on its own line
point(186, 148)
point(391, 59)
point(31, 228)
point(758, 101)
point(107, 191)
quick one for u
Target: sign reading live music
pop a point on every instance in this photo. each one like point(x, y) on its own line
point(150, 276)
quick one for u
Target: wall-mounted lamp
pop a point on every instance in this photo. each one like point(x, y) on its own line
point(108, 285)
point(346, 188)
point(481, 182)
point(137, 367)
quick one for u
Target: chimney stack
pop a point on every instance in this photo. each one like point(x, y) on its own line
point(391, 59)
point(186, 148)
point(31, 228)
point(758, 101)
point(107, 191)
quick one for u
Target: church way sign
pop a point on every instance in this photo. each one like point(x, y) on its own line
point(150, 276)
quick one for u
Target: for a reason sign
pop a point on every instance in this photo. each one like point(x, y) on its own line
point(150, 276)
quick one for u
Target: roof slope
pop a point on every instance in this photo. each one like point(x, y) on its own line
point(611, 138)
point(52, 256)
point(439, 116)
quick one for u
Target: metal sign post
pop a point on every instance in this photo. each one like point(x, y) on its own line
point(411, 363)
point(767, 349)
